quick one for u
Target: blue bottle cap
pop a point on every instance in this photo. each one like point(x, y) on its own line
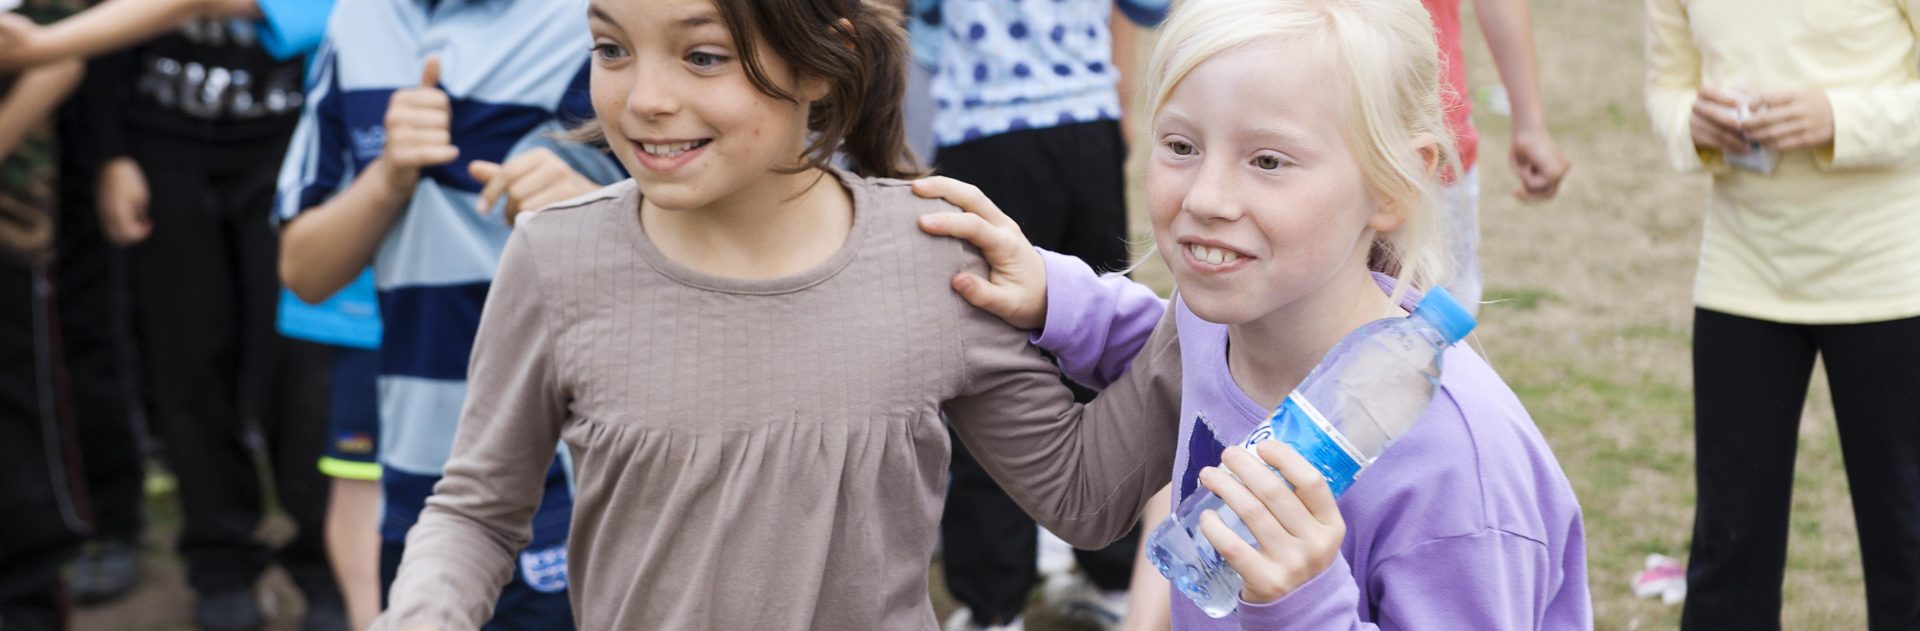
point(1440, 309)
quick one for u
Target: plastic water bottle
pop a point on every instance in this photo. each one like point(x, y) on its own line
point(1370, 389)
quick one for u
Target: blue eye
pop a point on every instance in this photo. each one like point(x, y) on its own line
point(609, 52)
point(705, 60)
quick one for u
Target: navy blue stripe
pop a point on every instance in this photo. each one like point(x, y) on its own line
point(429, 329)
point(329, 156)
point(482, 131)
point(576, 104)
point(405, 495)
point(355, 400)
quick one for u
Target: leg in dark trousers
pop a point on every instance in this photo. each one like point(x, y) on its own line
point(92, 308)
point(1876, 402)
point(1066, 187)
point(1111, 568)
point(1750, 383)
point(189, 315)
point(40, 486)
point(987, 544)
point(91, 281)
point(289, 392)
point(91, 278)
point(295, 440)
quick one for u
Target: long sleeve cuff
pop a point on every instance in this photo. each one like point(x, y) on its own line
point(1328, 601)
point(1874, 126)
point(1672, 113)
point(1095, 324)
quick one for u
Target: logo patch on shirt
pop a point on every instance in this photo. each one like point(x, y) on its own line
point(545, 570)
point(368, 141)
point(354, 443)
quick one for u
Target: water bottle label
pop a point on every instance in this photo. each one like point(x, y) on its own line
point(1301, 426)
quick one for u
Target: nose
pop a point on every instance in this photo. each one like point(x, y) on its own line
point(653, 95)
point(1211, 197)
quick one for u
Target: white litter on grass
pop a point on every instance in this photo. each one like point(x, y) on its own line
point(1662, 576)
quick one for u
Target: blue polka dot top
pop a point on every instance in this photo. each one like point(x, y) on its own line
point(1009, 65)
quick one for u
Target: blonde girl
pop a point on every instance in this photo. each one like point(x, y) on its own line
point(1298, 146)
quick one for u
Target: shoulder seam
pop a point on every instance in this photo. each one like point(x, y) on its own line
point(589, 199)
point(1499, 532)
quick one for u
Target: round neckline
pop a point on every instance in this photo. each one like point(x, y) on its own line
point(628, 215)
point(1235, 393)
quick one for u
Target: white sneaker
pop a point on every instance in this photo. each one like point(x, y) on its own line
point(962, 620)
point(1075, 598)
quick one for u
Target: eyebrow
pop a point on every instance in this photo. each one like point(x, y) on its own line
point(1285, 134)
point(705, 18)
point(1277, 135)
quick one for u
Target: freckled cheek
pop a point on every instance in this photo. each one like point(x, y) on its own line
point(608, 104)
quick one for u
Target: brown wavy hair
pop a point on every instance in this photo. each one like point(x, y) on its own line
point(859, 47)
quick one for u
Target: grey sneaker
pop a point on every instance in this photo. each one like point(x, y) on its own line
point(325, 616)
point(235, 610)
point(105, 572)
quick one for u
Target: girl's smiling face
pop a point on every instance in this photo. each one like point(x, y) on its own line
point(1256, 199)
point(673, 97)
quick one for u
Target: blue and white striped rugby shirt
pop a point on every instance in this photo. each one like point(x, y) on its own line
point(516, 72)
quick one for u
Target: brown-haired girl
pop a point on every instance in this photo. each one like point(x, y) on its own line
point(748, 353)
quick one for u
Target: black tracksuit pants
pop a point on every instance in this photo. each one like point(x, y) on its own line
point(1750, 384)
point(206, 293)
point(42, 492)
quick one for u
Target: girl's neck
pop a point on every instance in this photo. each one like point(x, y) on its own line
point(1270, 356)
point(781, 225)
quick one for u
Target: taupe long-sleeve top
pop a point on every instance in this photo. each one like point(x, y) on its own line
point(760, 454)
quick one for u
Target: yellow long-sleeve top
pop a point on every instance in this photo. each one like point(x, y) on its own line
point(1833, 235)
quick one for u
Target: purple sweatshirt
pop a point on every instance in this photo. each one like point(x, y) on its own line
point(1465, 522)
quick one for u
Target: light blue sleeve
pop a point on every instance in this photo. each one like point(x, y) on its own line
point(293, 27)
point(350, 318)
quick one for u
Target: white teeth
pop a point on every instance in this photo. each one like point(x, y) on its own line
point(670, 149)
point(1212, 256)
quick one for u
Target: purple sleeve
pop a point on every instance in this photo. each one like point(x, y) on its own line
point(1095, 324)
point(1488, 580)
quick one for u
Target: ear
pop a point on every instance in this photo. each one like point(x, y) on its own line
point(1390, 217)
point(1430, 156)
